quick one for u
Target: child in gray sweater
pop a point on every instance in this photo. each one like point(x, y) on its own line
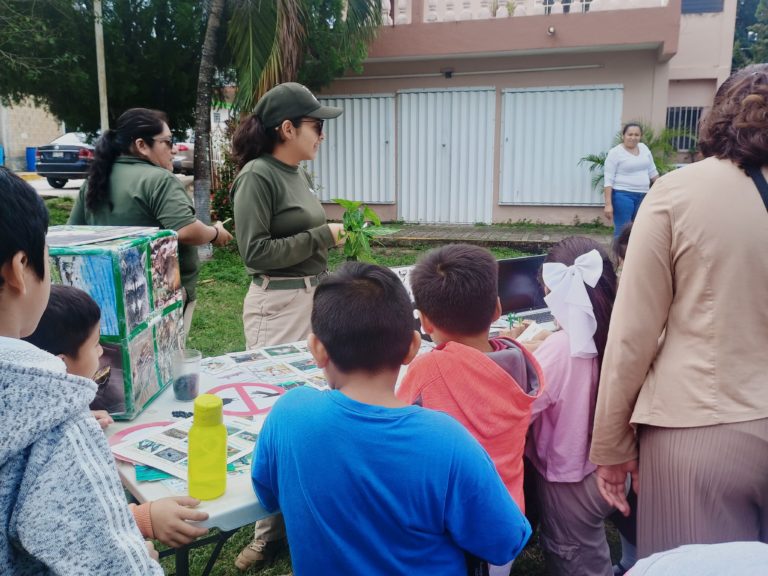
point(62, 509)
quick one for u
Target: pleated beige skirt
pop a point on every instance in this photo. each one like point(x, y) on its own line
point(702, 485)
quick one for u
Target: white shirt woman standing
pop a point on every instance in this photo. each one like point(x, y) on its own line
point(629, 173)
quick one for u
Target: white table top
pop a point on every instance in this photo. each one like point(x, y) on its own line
point(254, 381)
point(237, 507)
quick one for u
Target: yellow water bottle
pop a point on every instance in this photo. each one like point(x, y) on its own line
point(207, 472)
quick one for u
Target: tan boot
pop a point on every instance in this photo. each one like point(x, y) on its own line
point(258, 554)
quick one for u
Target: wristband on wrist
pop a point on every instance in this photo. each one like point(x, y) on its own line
point(217, 234)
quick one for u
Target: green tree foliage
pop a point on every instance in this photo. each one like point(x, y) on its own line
point(334, 46)
point(759, 34)
point(152, 50)
point(744, 36)
point(288, 40)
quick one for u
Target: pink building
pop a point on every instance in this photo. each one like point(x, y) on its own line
point(479, 110)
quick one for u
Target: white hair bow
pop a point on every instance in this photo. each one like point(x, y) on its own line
point(569, 302)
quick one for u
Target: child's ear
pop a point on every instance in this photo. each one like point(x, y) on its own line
point(318, 350)
point(426, 324)
point(496, 311)
point(413, 349)
point(13, 272)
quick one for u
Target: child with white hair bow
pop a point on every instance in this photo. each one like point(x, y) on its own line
point(580, 286)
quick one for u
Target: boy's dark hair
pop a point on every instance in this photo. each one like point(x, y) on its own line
point(363, 317)
point(67, 322)
point(23, 222)
point(620, 243)
point(457, 287)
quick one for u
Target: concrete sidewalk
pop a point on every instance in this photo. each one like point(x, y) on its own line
point(527, 239)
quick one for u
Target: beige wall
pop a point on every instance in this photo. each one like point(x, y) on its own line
point(22, 126)
point(660, 57)
point(644, 79)
point(610, 29)
point(703, 59)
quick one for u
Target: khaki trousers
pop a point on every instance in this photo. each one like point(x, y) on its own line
point(272, 317)
point(703, 485)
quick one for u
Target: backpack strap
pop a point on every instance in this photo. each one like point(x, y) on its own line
point(757, 177)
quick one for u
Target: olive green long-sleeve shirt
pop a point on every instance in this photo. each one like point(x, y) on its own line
point(280, 224)
point(143, 194)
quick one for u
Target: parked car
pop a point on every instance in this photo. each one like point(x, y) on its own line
point(68, 157)
point(184, 160)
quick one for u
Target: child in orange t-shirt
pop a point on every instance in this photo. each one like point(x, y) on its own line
point(486, 384)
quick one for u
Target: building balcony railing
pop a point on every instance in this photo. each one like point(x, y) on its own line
point(401, 12)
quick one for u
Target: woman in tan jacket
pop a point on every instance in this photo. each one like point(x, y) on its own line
point(687, 415)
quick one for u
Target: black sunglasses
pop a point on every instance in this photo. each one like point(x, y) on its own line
point(318, 124)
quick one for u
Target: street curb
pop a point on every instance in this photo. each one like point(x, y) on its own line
point(538, 246)
point(28, 176)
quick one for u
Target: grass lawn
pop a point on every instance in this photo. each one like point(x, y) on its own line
point(218, 328)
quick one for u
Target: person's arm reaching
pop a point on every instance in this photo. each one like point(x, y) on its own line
point(609, 176)
point(197, 234)
point(639, 316)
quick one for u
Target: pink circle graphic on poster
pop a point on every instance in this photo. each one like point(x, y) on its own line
point(127, 433)
point(247, 398)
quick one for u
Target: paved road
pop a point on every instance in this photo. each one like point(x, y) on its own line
point(44, 189)
point(73, 186)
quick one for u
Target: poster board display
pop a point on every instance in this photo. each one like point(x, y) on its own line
point(133, 275)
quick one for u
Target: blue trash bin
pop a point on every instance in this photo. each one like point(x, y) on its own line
point(2, 156)
point(31, 160)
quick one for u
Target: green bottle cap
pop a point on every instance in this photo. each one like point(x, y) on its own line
point(208, 410)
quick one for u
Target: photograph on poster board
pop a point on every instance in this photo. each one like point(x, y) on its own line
point(135, 290)
point(282, 350)
point(110, 394)
point(167, 448)
point(216, 364)
point(169, 337)
point(166, 280)
point(93, 274)
point(143, 374)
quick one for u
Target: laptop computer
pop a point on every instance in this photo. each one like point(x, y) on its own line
point(520, 291)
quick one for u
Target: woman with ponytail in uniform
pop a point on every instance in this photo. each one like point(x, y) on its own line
point(283, 238)
point(280, 224)
point(131, 183)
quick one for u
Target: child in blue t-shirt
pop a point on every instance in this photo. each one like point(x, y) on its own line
point(368, 484)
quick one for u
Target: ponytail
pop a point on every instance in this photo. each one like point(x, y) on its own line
point(133, 124)
point(105, 154)
point(251, 140)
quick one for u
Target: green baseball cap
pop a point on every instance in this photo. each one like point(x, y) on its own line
point(291, 100)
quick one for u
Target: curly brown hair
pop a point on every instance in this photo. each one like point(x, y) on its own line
point(737, 126)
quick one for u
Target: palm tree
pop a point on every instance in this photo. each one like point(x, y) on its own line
point(202, 167)
point(269, 39)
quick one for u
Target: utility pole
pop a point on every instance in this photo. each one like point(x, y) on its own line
point(100, 68)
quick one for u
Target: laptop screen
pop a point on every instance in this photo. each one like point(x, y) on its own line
point(519, 286)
